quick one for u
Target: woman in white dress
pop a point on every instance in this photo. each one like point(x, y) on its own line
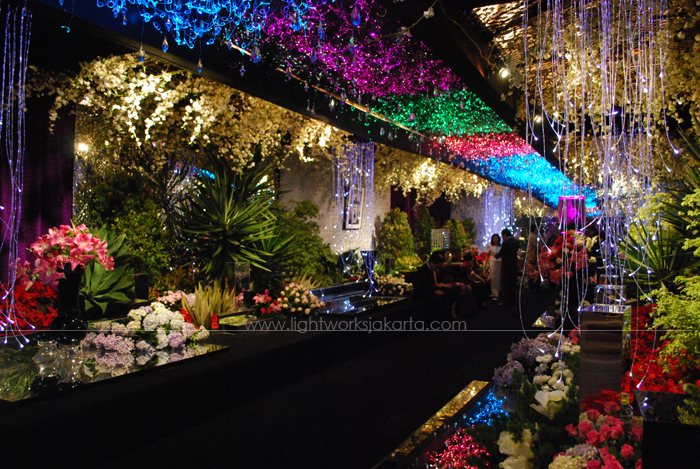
point(495, 265)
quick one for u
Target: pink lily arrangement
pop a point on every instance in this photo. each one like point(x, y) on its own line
point(66, 245)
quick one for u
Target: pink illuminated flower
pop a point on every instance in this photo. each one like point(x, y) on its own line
point(594, 464)
point(592, 414)
point(47, 272)
point(637, 435)
point(611, 462)
point(84, 242)
point(585, 427)
point(571, 429)
point(77, 258)
point(108, 263)
point(605, 431)
point(594, 438)
point(627, 452)
point(617, 431)
point(612, 408)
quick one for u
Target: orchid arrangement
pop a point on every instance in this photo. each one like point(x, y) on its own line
point(393, 285)
point(67, 245)
point(297, 300)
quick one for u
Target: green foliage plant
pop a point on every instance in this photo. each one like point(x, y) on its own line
point(470, 230)
point(424, 226)
point(395, 236)
point(228, 216)
point(213, 300)
point(458, 237)
point(102, 287)
point(308, 254)
point(657, 249)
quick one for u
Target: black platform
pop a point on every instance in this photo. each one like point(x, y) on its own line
point(274, 400)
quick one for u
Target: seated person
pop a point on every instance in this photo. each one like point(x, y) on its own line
point(474, 251)
point(451, 298)
point(425, 285)
point(448, 278)
point(481, 287)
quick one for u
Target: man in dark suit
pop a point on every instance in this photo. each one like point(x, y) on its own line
point(426, 288)
point(509, 267)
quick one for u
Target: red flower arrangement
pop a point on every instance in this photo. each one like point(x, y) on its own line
point(563, 258)
point(34, 307)
point(645, 371)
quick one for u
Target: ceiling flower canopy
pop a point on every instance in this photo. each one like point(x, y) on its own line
point(363, 60)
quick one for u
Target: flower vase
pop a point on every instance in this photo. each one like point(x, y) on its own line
point(71, 367)
point(70, 326)
point(48, 359)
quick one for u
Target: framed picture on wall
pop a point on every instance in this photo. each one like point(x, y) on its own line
point(353, 209)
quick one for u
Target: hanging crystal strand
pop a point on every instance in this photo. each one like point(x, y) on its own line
point(12, 131)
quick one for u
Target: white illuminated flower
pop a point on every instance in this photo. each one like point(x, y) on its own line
point(549, 402)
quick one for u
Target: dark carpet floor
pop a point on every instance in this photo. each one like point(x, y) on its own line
point(273, 400)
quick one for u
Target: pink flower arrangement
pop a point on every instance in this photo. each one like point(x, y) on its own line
point(264, 303)
point(67, 245)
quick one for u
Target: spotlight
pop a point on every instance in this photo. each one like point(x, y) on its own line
point(504, 72)
point(83, 147)
point(538, 119)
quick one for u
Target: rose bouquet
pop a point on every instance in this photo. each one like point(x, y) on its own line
point(604, 443)
point(297, 300)
point(393, 285)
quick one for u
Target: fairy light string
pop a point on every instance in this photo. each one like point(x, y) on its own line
point(12, 132)
point(594, 72)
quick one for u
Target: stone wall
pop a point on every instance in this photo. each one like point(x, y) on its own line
point(314, 181)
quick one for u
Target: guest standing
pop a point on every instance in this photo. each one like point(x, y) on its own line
point(495, 265)
point(509, 267)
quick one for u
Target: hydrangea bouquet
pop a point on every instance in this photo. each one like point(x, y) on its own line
point(154, 335)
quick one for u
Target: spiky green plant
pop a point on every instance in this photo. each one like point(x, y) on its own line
point(209, 301)
point(102, 287)
point(656, 248)
point(227, 217)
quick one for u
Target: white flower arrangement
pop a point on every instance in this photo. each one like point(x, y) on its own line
point(393, 285)
point(295, 299)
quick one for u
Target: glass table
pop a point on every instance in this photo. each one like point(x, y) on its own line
point(40, 369)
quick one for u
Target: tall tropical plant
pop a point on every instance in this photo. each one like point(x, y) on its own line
point(227, 216)
point(102, 287)
point(656, 249)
